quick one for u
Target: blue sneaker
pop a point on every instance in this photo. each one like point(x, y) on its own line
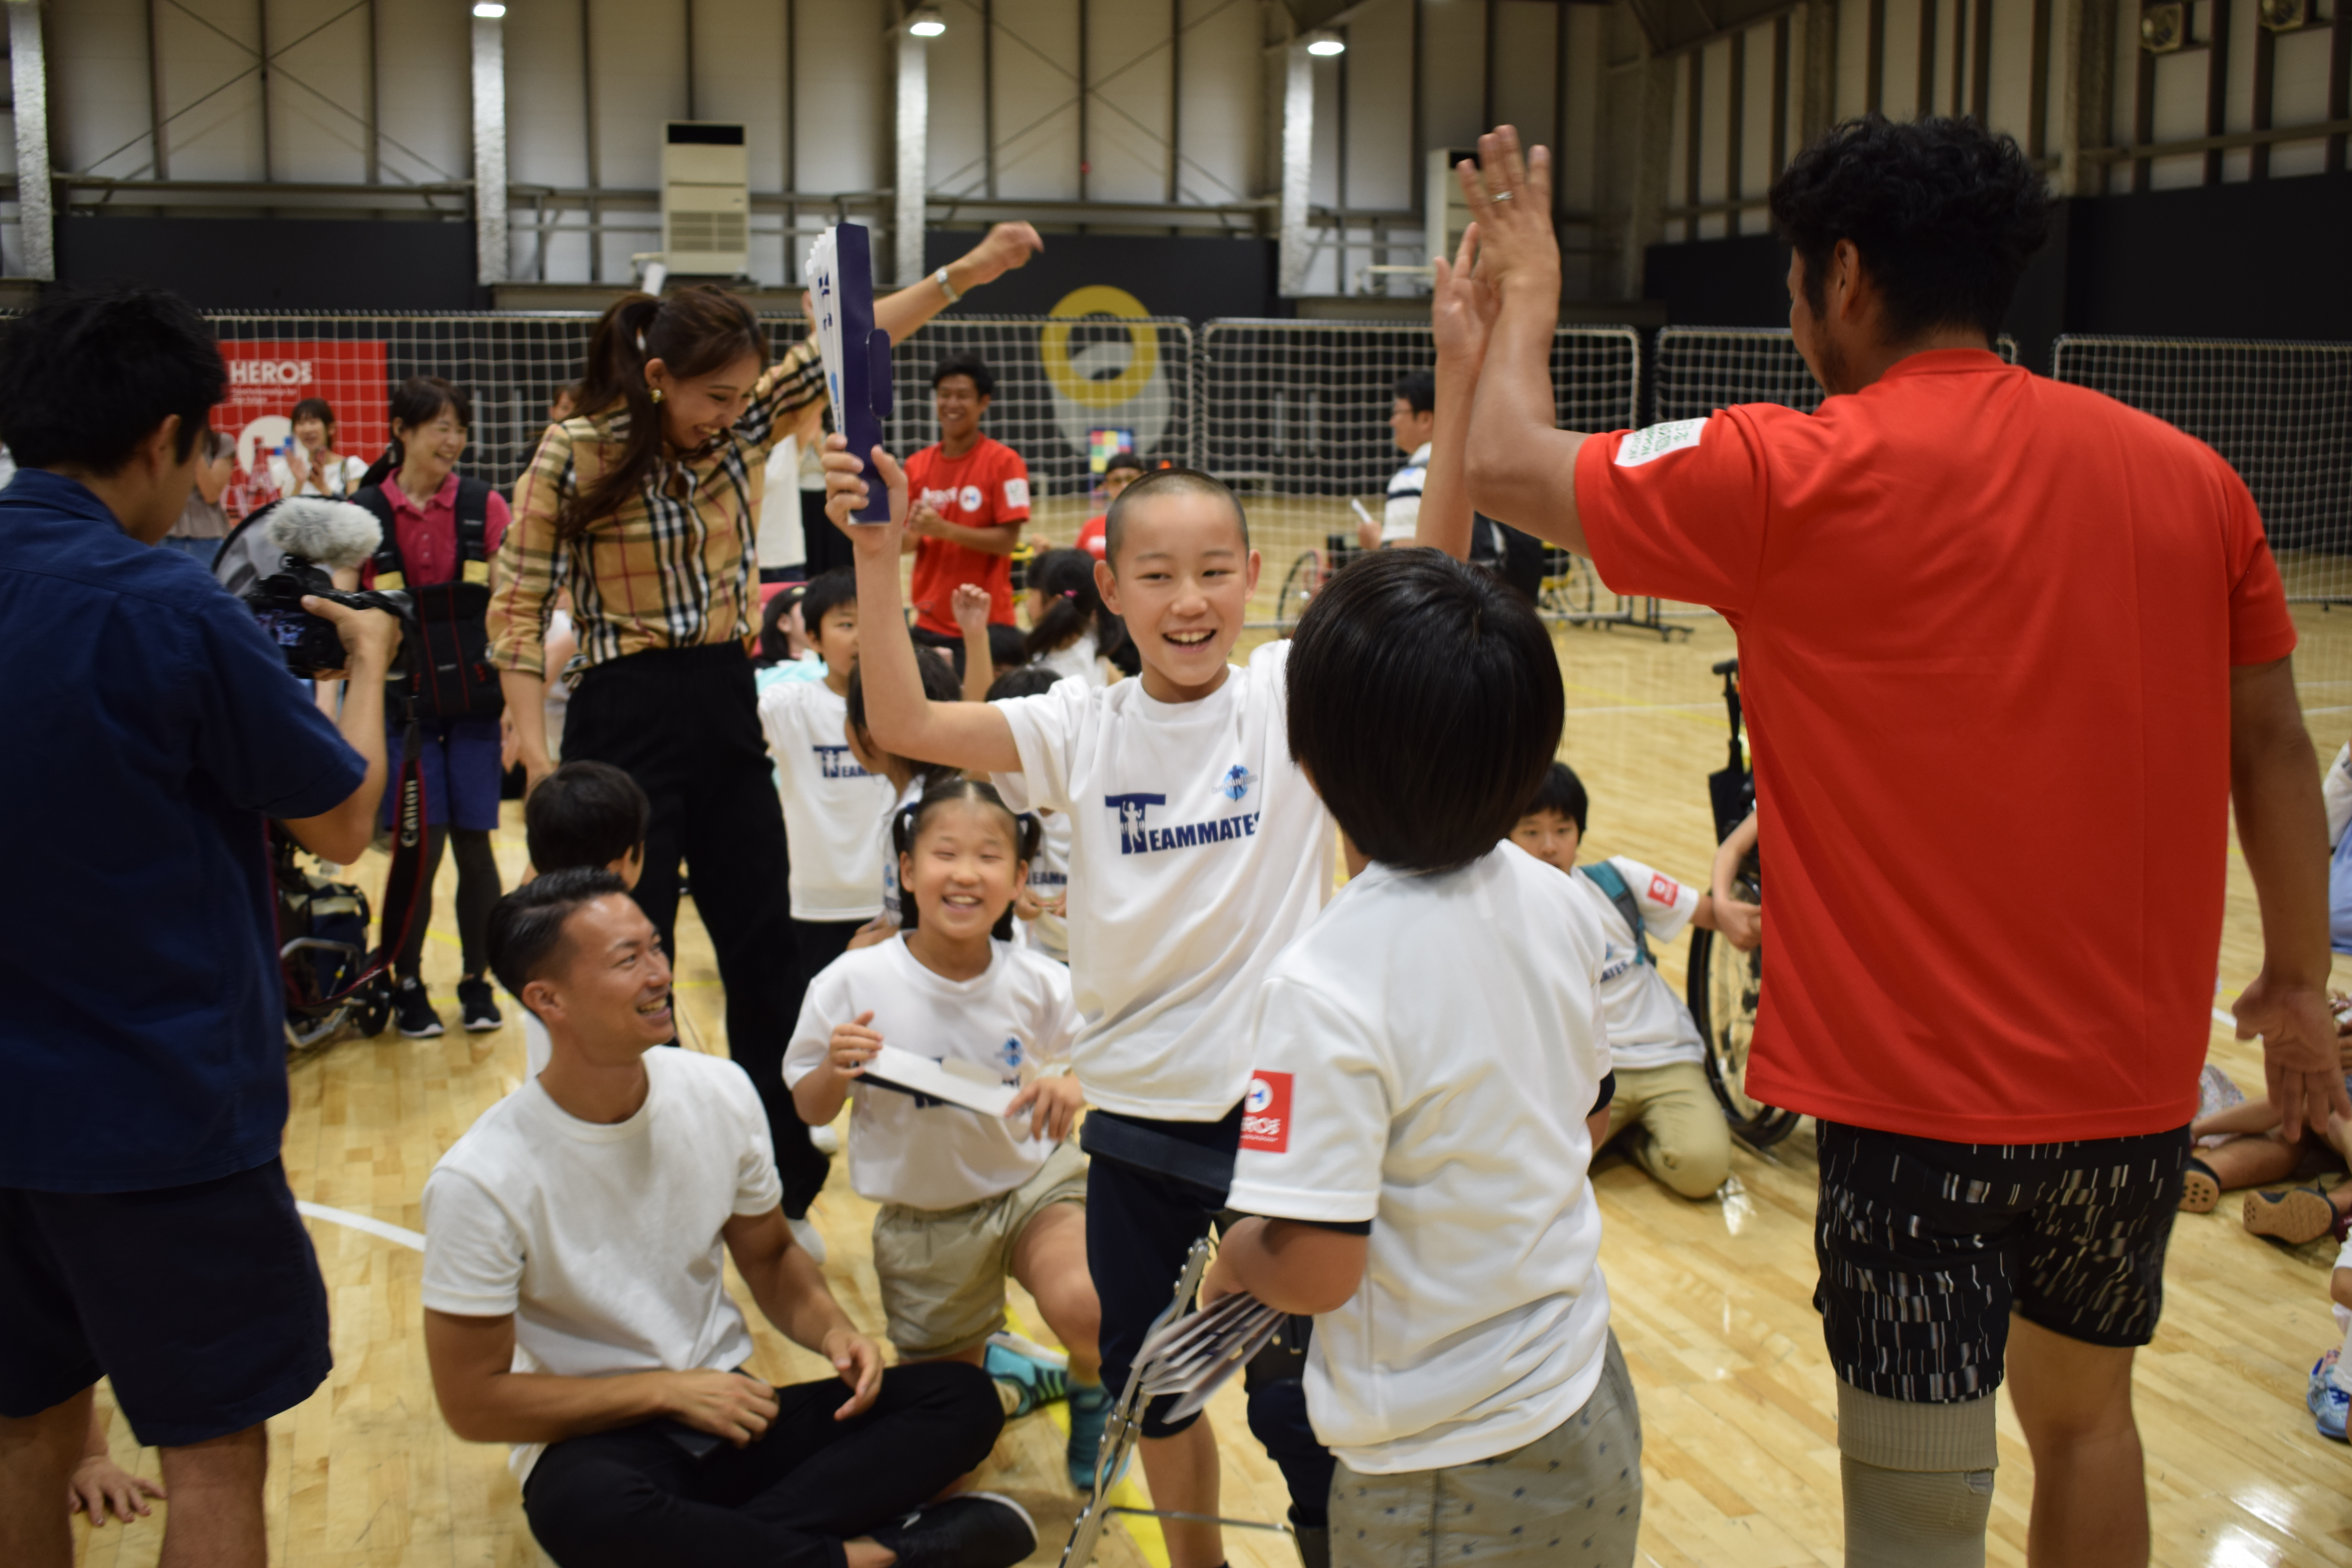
point(1034, 1383)
point(1089, 1413)
point(2329, 1404)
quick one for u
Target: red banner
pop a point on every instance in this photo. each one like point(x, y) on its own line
point(266, 380)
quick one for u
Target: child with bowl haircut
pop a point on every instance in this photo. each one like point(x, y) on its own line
point(1198, 852)
point(1431, 1078)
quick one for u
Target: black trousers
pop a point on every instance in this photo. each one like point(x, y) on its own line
point(636, 1496)
point(1006, 647)
point(823, 546)
point(477, 893)
point(684, 722)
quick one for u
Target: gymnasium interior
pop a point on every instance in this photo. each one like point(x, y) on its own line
point(1239, 203)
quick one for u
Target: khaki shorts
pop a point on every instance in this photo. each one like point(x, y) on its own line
point(1572, 1499)
point(942, 1270)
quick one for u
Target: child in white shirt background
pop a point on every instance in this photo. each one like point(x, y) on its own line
point(967, 1199)
point(1431, 1080)
point(1044, 906)
point(1675, 1129)
point(1198, 851)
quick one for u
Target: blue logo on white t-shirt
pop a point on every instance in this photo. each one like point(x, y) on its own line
point(1011, 1054)
point(1137, 836)
point(835, 762)
point(1238, 780)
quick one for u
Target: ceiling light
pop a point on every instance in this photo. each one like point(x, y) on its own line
point(926, 22)
point(489, 11)
point(1326, 43)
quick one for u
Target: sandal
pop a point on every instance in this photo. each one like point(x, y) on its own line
point(2201, 1189)
point(2295, 1216)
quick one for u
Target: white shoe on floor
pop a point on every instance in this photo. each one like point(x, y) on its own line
point(806, 1233)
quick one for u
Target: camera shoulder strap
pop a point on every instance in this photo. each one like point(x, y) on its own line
point(473, 531)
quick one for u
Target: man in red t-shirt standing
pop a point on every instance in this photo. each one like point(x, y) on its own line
point(1992, 628)
point(970, 497)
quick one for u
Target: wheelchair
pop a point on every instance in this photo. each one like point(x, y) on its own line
point(1725, 986)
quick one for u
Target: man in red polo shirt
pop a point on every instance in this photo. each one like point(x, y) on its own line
point(971, 497)
point(2010, 651)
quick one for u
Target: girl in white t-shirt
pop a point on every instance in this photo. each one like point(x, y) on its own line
point(966, 1198)
point(1066, 619)
point(1044, 905)
point(906, 778)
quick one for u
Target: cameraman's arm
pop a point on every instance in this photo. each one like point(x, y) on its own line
point(370, 638)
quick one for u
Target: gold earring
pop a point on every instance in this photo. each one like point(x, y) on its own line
point(657, 393)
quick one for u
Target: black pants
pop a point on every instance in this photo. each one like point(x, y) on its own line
point(633, 1497)
point(684, 722)
point(819, 942)
point(823, 546)
point(477, 891)
point(1006, 647)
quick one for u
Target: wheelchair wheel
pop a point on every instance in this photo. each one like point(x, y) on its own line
point(1566, 584)
point(1306, 575)
point(1727, 987)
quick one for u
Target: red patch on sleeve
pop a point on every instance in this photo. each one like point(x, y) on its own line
point(1665, 891)
point(1266, 1113)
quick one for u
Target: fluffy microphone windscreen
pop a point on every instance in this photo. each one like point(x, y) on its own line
point(334, 534)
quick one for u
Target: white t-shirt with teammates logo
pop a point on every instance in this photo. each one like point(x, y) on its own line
point(603, 1240)
point(904, 1148)
point(1426, 1057)
point(1198, 851)
point(829, 802)
point(1649, 1025)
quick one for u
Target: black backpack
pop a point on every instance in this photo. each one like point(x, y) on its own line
point(449, 671)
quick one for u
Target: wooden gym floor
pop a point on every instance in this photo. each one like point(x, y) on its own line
point(1712, 1300)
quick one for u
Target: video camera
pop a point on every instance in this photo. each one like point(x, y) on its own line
point(317, 537)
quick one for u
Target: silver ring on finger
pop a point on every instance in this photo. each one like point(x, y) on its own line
point(1499, 197)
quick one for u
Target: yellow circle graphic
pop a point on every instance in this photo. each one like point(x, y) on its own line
point(1054, 348)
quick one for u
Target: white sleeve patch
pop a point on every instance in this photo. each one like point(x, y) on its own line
point(1016, 494)
point(1644, 445)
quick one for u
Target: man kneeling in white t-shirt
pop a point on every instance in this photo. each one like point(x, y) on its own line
point(574, 1303)
point(1431, 1080)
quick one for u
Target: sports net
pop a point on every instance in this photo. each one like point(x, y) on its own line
point(1702, 369)
point(2280, 413)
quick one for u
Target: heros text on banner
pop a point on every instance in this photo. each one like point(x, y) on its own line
point(266, 380)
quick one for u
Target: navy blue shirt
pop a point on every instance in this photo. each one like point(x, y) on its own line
point(146, 729)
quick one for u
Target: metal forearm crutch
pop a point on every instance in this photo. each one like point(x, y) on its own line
point(1124, 1428)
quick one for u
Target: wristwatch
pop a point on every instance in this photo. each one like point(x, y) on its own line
point(941, 278)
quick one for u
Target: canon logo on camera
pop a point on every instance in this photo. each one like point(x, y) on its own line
point(269, 372)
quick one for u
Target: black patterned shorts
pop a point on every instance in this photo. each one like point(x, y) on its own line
point(1926, 1247)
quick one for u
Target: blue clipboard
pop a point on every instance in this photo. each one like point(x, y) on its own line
point(857, 352)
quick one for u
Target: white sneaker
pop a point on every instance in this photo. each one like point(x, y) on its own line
point(826, 1139)
point(811, 1242)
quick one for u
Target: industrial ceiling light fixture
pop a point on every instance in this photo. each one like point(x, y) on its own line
point(925, 22)
point(489, 11)
point(1326, 43)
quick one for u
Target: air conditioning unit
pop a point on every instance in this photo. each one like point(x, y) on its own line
point(1445, 213)
point(2164, 29)
point(705, 205)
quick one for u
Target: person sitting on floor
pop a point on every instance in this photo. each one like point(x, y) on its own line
point(574, 1303)
point(2240, 1143)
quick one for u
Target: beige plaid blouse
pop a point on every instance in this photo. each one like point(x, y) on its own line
point(675, 567)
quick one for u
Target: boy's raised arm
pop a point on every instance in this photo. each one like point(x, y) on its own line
point(973, 736)
point(1462, 310)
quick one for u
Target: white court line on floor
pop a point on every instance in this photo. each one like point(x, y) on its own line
point(413, 1240)
point(1650, 708)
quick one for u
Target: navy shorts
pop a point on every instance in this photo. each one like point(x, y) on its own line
point(461, 773)
point(1926, 1247)
point(203, 1303)
point(1140, 1223)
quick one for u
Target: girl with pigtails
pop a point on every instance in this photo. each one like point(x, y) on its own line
point(643, 505)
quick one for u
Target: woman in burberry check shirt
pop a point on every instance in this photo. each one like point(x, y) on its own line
point(644, 506)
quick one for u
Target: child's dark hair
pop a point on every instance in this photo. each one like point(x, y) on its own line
point(1426, 703)
point(1023, 680)
point(775, 646)
point(317, 408)
point(827, 592)
point(983, 380)
point(908, 827)
point(1074, 605)
point(584, 814)
point(1163, 482)
point(1123, 461)
point(940, 685)
point(526, 925)
point(1418, 388)
point(1562, 792)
